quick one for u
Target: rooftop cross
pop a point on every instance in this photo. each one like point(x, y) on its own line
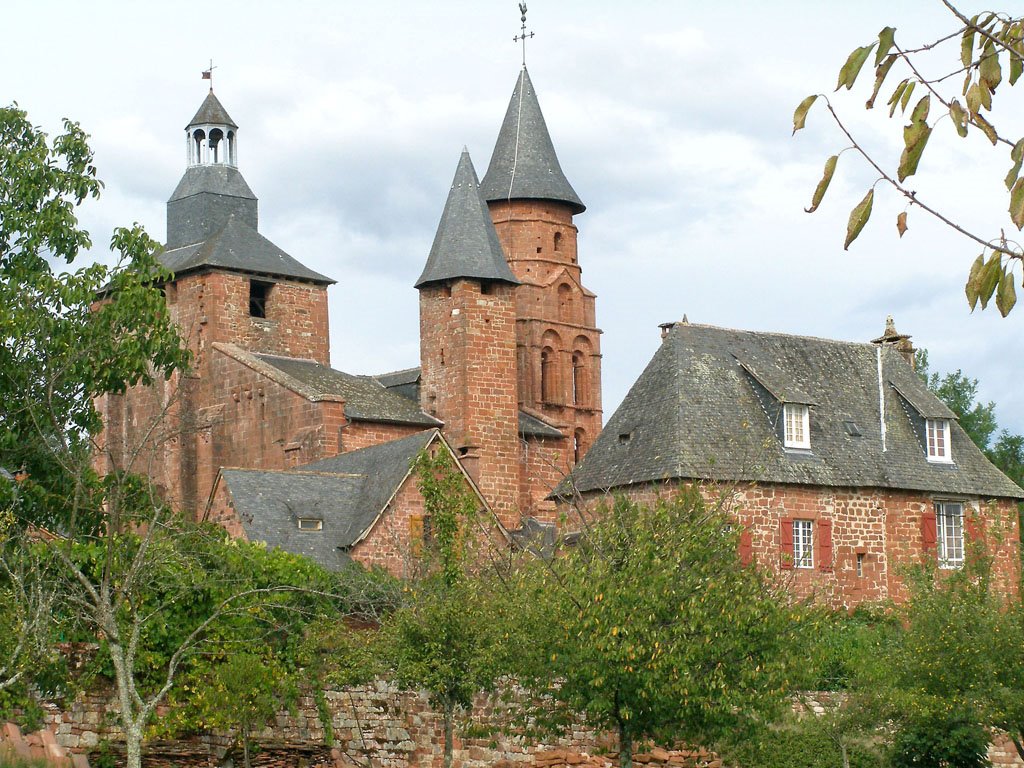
point(208, 74)
point(523, 34)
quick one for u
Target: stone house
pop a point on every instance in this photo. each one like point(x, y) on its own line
point(843, 467)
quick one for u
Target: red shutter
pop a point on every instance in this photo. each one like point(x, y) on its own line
point(746, 547)
point(786, 542)
point(928, 532)
point(825, 545)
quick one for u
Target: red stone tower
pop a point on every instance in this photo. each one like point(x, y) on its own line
point(532, 205)
point(468, 343)
point(230, 285)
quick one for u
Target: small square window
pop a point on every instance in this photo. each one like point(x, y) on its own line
point(798, 426)
point(949, 529)
point(310, 524)
point(259, 294)
point(938, 440)
point(803, 543)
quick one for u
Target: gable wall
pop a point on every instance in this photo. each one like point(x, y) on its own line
point(363, 434)
point(390, 544)
point(883, 525)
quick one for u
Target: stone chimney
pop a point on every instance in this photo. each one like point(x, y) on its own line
point(901, 341)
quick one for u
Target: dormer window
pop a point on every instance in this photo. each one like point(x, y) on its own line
point(798, 426)
point(938, 440)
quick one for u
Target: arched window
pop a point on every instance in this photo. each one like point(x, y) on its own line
point(547, 375)
point(579, 387)
point(558, 241)
point(229, 154)
point(215, 138)
point(197, 141)
point(577, 446)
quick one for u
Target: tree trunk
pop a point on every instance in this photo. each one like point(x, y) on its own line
point(133, 746)
point(846, 756)
point(448, 740)
point(245, 747)
point(625, 747)
point(1018, 742)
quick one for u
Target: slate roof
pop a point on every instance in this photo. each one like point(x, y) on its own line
point(407, 384)
point(466, 244)
point(696, 412)
point(237, 246)
point(218, 179)
point(365, 398)
point(211, 111)
point(524, 164)
point(347, 493)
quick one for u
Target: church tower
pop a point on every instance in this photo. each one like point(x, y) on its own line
point(532, 205)
point(468, 343)
point(230, 287)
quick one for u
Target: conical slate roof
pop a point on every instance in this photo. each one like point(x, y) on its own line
point(524, 164)
point(212, 112)
point(466, 244)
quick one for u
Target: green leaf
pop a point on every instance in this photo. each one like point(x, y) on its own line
point(989, 71)
point(1006, 294)
point(920, 112)
point(990, 274)
point(973, 286)
point(852, 67)
point(1017, 204)
point(967, 44)
point(880, 75)
point(906, 96)
point(826, 179)
point(959, 117)
point(897, 94)
point(915, 137)
point(901, 223)
point(800, 115)
point(987, 128)
point(885, 43)
point(1015, 67)
point(1017, 156)
point(858, 218)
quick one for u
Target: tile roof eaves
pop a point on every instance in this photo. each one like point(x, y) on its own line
point(276, 375)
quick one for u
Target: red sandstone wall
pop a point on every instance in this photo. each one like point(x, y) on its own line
point(468, 358)
point(543, 464)
point(363, 434)
point(392, 542)
point(882, 525)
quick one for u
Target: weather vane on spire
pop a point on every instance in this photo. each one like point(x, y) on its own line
point(208, 74)
point(522, 35)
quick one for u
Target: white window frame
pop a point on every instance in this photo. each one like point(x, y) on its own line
point(937, 436)
point(797, 425)
point(949, 533)
point(803, 543)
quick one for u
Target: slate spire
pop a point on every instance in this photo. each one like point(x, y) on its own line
point(524, 165)
point(466, 244)
point(211, 112)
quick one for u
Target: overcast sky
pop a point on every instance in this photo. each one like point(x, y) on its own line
point(671, 119)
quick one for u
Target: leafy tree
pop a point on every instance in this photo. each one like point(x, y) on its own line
point(951, 670)
point(650, 626)
point(985, 50)
point(59, 347)
point(441, 639)
point(239, 693)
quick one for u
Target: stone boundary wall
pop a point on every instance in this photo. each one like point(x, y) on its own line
point(376, 726)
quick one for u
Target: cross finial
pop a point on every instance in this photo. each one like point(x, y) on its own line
point(208, 74)
point(523, 34)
